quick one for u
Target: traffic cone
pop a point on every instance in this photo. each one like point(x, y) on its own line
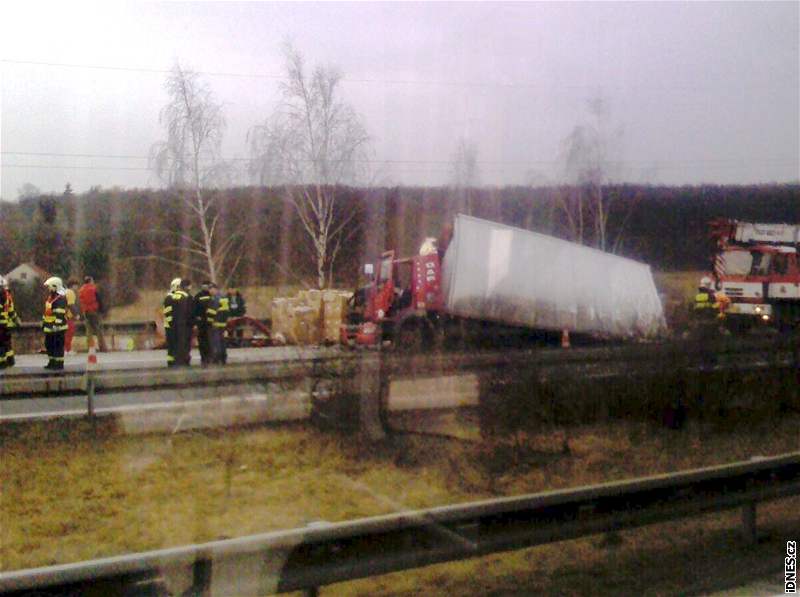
point(565, 339)
point(91, 359)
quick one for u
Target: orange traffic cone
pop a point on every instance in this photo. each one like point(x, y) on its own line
point(91, 359)
point(565, 339)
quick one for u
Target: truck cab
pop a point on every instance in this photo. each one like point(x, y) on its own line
point(398, 290)
point(760, 280)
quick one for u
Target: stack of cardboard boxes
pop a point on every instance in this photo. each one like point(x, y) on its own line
point(312, 317)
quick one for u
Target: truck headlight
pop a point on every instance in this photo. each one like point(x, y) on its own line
point(765, 317)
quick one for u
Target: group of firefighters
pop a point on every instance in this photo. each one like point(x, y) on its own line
point(209, 311)
point(62, 307)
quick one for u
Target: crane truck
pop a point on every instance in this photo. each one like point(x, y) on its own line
point(756, 266)
point(483, 278)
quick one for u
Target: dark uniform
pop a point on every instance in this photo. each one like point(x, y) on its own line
point(169, 328)
point(220, 322)
point(54, 325)
point(204, 313)
point(238, 308)
point(8, 320)
point(237, 305)
point(705, 324)
point(178, 327)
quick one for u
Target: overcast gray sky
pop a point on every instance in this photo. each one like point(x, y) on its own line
point(703, 92)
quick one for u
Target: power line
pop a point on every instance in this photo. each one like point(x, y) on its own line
point(240, 159)
point(72, 167)
point(277, 77)
point(645, 163)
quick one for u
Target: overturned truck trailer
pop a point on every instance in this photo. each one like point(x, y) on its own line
point(494, 272)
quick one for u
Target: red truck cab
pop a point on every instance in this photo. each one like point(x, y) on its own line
point(399, 290)
point(756, 266)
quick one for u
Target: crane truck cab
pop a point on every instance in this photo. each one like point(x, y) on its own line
point(756, 266)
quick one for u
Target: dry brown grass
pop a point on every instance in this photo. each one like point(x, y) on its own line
point(69, 495)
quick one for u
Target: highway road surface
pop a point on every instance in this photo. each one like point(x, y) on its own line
point(148, 359)
point(172, 409)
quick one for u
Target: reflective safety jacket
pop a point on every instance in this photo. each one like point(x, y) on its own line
point(204, 309)
point(8, 316)
point(177, 309)
point(703, 300)
point(223, 310)
point(54, 320)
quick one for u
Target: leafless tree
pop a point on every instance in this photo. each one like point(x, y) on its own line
point(190, 161)
point(28, 190)
point(589, 163)
point(313, 142)
point(465, 174)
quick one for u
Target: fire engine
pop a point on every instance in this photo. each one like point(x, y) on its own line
point(756, 266)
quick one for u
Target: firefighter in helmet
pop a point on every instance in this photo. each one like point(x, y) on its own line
point(705, 308)
point(54, 322)
point(223, 309)
point(8, 321)
point(177, 323)
point(704, 299)
point(204, 313)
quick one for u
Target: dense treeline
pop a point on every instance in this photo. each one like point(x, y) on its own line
point(136, 238)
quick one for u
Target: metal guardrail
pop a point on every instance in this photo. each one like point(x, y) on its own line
point(307, 558)
point(369, 373)
point(594, 362)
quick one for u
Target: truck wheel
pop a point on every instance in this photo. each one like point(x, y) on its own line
point(453, 335)
point(411, 338)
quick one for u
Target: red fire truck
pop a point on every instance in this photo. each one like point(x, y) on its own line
point(756, 266)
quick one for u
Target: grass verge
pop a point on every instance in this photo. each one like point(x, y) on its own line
point(72, 494)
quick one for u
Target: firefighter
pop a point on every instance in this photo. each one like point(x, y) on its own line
point(176, 320)
point(705, 309)
point(704, 299)
point(183, 314)
point(72, 314)
point(220, 322)
point(8, 321)
point(54, 323)
point(238, 308)
point(204, 313)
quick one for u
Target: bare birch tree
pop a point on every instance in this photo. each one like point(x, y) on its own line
point(190, 161)
point(465, 173)
point(588, 158)
point(313, 142)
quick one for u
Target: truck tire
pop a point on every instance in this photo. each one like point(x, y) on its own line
point(412, 337)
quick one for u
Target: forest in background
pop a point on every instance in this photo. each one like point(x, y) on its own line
point(137, 239)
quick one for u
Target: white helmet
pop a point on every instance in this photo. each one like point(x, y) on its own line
point(705, 282)
point(175, 284)
point(54, 283)
point(3, 283)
